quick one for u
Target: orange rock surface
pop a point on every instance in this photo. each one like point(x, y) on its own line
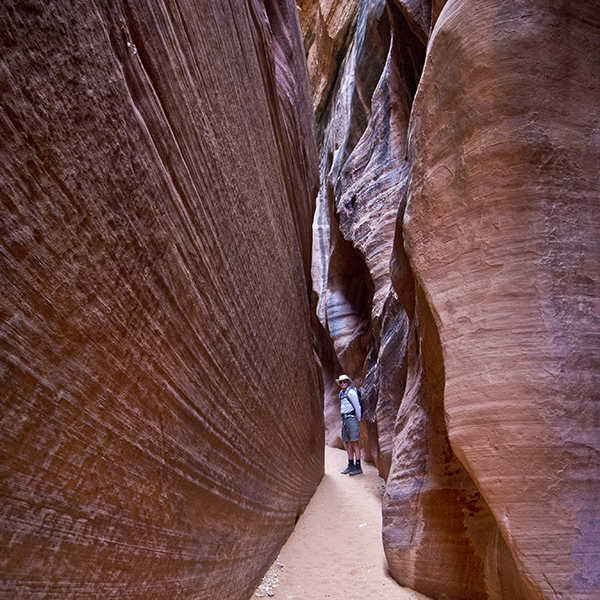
point(501, 229)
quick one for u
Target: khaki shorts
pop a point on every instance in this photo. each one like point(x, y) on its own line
point(350, 429)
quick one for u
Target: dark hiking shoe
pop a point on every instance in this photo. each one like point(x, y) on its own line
point(348, 469)
point(356, 471)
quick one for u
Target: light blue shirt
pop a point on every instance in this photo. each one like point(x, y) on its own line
point(349, 402)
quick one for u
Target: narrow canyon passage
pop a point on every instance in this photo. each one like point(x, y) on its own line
point(210, 210)
point(335, 550)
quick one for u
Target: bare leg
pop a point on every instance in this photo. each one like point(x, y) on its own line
point(355, 451)
point(349, 450)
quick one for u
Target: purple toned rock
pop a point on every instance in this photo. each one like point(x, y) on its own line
point(161, 414)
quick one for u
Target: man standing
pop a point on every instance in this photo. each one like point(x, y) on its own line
point(351, 416)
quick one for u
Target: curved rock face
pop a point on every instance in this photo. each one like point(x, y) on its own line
point(161, 416)
point(476, 342)
point(502, 233)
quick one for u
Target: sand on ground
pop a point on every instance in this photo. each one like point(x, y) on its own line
point(335, 552)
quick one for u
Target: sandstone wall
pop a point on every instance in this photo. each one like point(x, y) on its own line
point(455, 266)
point(161, 414)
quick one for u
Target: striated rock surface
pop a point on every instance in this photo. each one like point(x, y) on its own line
point(502, 233)
point(161, 420)
point(455, 269)
point(327, 28)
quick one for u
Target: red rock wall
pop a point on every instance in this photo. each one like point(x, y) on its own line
point(502, 234)
point(470, 323)
point(161, 419)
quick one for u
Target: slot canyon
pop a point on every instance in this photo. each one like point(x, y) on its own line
point(210, 209)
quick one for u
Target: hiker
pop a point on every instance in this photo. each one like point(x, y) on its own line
point(351, 415)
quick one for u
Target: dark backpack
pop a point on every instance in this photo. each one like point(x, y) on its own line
point(362, 407)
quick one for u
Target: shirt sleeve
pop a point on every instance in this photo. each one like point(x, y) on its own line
point(353, 397)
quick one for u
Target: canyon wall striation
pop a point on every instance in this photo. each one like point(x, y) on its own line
point(161, 408)
point(456, 278)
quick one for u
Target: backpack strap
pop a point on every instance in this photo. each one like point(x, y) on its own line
point(344, 394)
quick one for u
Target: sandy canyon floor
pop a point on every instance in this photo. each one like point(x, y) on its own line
point(335, 551)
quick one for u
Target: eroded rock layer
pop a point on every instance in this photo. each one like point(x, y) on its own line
point(161, 421)
point(456, 274)
point(502, 234)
